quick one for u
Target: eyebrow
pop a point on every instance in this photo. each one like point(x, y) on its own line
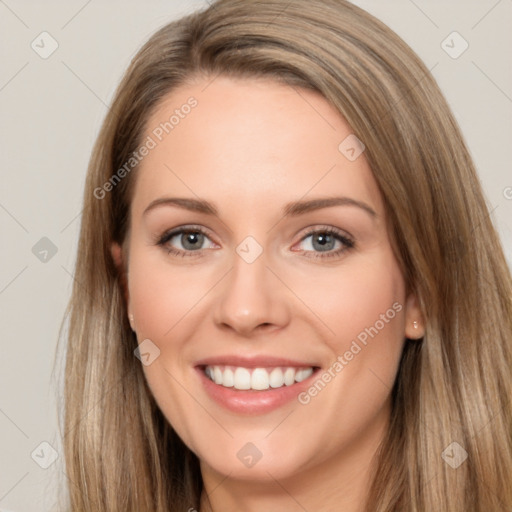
point(292, 209)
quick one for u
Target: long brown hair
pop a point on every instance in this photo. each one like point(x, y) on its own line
point(452, 387)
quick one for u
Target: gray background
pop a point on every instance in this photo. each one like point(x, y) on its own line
point(51, 110)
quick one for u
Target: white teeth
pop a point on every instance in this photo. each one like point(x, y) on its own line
point(242, 378)
point(217, 375)
point(289, 376)
point(303, 374)
point(276, 378)
point(258, 378)
point(228, 378)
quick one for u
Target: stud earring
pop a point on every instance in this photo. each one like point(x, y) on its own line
point(132, 322)
point(415, 324)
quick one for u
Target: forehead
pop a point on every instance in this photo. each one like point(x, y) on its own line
point(250, 139)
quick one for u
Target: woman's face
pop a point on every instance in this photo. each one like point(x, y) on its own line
point(258, 253)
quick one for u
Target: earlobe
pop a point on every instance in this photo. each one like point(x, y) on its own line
point(414, 321)
point(132, 321)
point(117, 255)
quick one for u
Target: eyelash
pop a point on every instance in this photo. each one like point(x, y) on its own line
point(326, 230)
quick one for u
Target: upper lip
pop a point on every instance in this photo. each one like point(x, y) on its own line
point(261, 361)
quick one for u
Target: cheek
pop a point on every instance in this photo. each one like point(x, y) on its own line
point(349, 301)
point(163, 301)
point(367, 304)
point(364, 307)
point(364, 311)
point(161, 297)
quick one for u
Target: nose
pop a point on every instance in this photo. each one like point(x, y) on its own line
point(251, 299)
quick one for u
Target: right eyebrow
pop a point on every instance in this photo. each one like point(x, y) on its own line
point(194, 205)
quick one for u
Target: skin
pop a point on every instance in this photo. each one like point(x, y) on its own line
point(250, 158)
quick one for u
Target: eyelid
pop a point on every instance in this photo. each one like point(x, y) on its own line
point(169, 233)
point(322, 228)
point(342, 236)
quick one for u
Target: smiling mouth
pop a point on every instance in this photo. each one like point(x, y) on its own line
point(257, 379)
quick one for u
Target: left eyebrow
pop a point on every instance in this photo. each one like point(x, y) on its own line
point(299, 207)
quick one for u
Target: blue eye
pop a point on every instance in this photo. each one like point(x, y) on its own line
point(190, 239)
point(326, 242)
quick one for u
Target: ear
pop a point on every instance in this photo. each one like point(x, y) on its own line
point(414, 321)
point(117, 255)
point(119, 261)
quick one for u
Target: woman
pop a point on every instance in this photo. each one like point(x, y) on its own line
point(289, 294)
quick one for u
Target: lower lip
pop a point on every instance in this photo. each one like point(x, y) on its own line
point(252, 401)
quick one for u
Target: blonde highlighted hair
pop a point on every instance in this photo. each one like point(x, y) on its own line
point(453, 386)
